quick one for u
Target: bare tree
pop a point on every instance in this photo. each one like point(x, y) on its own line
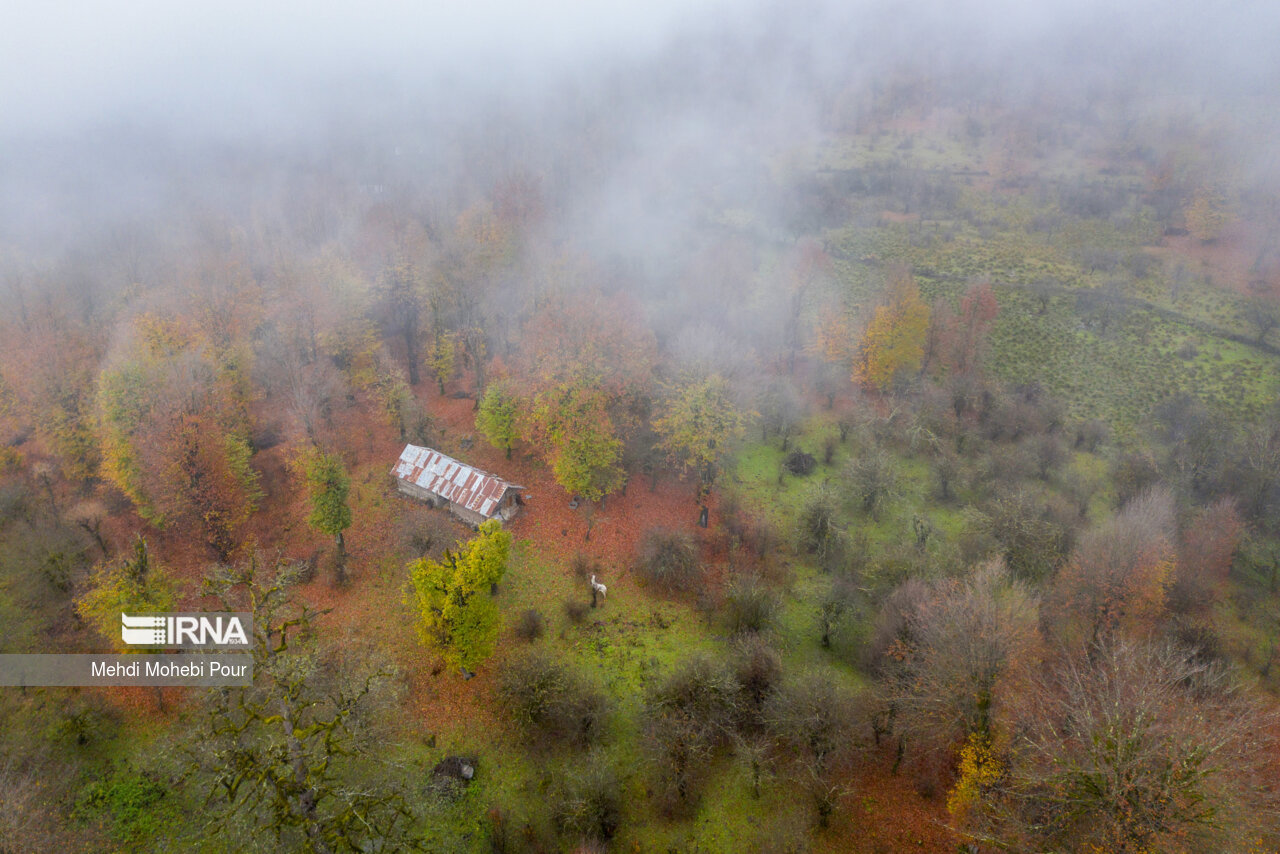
point(956, 647)
point(1137, 747)
point(813, 720)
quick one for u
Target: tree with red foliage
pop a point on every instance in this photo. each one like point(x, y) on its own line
point(1204, 557)
point(956, 341)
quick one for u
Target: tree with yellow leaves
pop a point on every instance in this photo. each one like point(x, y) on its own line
point(1207, 214)
point(894, 340)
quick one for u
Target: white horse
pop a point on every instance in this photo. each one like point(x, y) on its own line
point(597, 587)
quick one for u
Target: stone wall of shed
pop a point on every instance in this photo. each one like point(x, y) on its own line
point(471, 517)
point(415, 491)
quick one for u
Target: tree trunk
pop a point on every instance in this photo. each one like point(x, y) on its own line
point(411, 345)
point(340, 564)
point(96, 533)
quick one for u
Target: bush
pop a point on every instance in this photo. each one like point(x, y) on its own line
point(546, 701)
point(872, 481)
point(531, 625)
point(688, 716)
point(817, 530)
point(669, 560)
point(588, 804)
point(576, 611)
point(758, 670)
point(584, 567)
point(801, 464)
point(814, 721)
point(749, 606)
point(842, 618)
point(134, 801)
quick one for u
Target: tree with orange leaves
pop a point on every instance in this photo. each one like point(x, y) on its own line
point(1118, 578)
point(174, 437)
point(893, 342)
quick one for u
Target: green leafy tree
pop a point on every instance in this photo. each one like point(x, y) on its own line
point(573, 421)
point(443, 360)
point(456, 615)
point(497, 416)
point(133, 584)
point(697, 425)
point(329, 486)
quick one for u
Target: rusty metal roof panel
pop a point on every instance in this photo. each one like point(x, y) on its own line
point(444, 476)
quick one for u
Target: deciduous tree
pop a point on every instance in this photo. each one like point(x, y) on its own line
point(573, 426)
point(1207, 214)
point(454, 609)
point(1132, 748)
point(894, 339)
point(1119, 575)
point(498, 414)
point(133, 584)
point(292, 756)
point(328, 486)
point(958, 648)
point(697, 423)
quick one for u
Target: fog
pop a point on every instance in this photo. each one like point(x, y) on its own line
point(632, 115)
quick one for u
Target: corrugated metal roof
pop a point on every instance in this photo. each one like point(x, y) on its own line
point(471, 488)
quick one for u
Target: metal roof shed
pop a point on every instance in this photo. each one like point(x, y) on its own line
point(470, 494)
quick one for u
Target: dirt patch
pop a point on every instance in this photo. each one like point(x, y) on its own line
point(1228, 261)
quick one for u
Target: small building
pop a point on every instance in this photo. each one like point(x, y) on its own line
point(441, 481)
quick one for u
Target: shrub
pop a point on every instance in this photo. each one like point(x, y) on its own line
point(872, 481)
point(749, 605)
point(669, 560)
point(817, 530)
point(814, 720)
point(758, 670)
point(546, 701)
point(584, 567)
point(531, 625)
point(588, 803)
point(687, 717)
point(133, 800)
point(842, 618)
point(576, 611)
point(801, 464)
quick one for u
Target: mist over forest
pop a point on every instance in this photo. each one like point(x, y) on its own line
point(869, 417)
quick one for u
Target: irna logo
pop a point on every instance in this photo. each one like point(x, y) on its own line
point(191, 631)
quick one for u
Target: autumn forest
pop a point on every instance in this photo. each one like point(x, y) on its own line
point(868, 426)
